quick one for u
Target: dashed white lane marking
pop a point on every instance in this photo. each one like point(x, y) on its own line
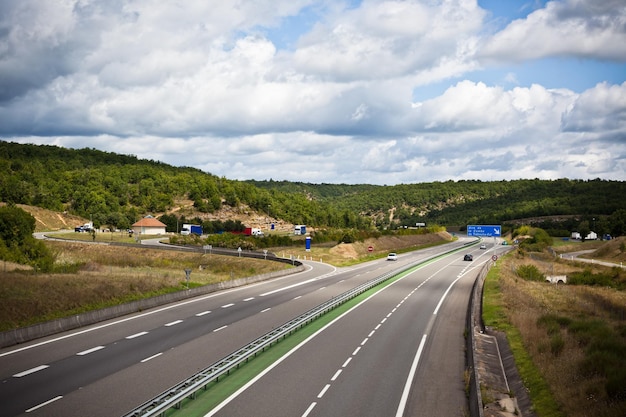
point(219, 328)
point(88, 351)
point(31, 371)
point(202, 313)
point(336, 375)
point(132, 336)
point(364, 341)
point(248, 299)
point(323, 391)
point(356, 351)
point(44, 404)
point(297, 297)
point(151, 357)
point(228, 305)
point(308, 410)
point(173, 323)
point(346, 362)
point(267, 309)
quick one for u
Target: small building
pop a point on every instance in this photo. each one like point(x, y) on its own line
point(149, 226)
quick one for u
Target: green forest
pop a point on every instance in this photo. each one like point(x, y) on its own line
point(117, 190)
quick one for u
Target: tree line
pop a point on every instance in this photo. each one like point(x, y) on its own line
point(117, 190)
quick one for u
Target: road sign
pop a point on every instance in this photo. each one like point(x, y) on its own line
point(483, 231)
point(494, 258)
point(370, 248)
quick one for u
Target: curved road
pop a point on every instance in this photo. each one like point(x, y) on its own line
point(401, 352)
point(110, 368)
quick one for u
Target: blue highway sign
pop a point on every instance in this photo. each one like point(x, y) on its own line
point(483, 231)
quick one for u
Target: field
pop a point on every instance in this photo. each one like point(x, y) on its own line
point(94, 276)
point(569, 340)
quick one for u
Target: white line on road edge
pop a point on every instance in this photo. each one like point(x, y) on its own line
point(409, 380)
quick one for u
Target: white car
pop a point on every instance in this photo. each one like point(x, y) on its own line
point(392, 257)
point(483, 246)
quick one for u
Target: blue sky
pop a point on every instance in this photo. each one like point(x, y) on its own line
point(372, 91)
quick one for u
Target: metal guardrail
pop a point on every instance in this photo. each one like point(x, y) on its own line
point(173, 397)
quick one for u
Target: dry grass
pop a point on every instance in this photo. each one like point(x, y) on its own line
point(525, 302)
point(93, 276)
point(346, 254)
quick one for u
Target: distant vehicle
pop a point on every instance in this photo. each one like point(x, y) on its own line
point(483, 246)
point(392, 257)
point(468, 257)
point(189, 229)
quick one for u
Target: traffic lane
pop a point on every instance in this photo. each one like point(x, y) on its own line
point(439, 386)
point(138, 383)
point(64, 376)
point(66, 344)
point(296, 385)
point(124, 354)
point(53, 348)
point(130, 358)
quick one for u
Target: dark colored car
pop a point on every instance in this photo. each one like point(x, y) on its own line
point(468, 257)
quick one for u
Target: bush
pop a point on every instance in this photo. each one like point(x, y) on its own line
point(530, 273)
point(17, 243)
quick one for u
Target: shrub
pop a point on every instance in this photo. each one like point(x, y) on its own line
point(529, 273)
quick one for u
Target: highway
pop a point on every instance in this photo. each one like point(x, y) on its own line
point(399, 353)
point(110, 368)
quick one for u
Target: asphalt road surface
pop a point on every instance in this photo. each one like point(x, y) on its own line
point(399, 353)
point(110, 368)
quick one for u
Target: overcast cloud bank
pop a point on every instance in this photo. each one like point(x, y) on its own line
point(379, 92)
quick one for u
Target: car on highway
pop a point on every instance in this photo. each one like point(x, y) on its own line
point(483, 246)
point(468, 257)
point(392, 257)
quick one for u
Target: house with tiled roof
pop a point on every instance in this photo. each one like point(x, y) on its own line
point(149, 226)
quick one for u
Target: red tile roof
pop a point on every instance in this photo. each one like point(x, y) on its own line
point(148, 222)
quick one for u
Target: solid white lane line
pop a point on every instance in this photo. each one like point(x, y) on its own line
point(409, 380)
point(44, 404)
point(220, 328)
point(336, 375)
point(202, 313)
point(228, 305)
point(151, 357)
point(445, 294)
point(173, 323)
point(31, 371)
point(132, 336)
point(323, 391)
point(88, 351)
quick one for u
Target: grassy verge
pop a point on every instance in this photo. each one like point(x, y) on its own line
point(565, 339)
point(495, 316)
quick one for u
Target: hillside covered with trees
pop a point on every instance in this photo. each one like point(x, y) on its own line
point(117, 190)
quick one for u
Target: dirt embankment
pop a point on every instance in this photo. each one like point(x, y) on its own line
point(386, 244)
